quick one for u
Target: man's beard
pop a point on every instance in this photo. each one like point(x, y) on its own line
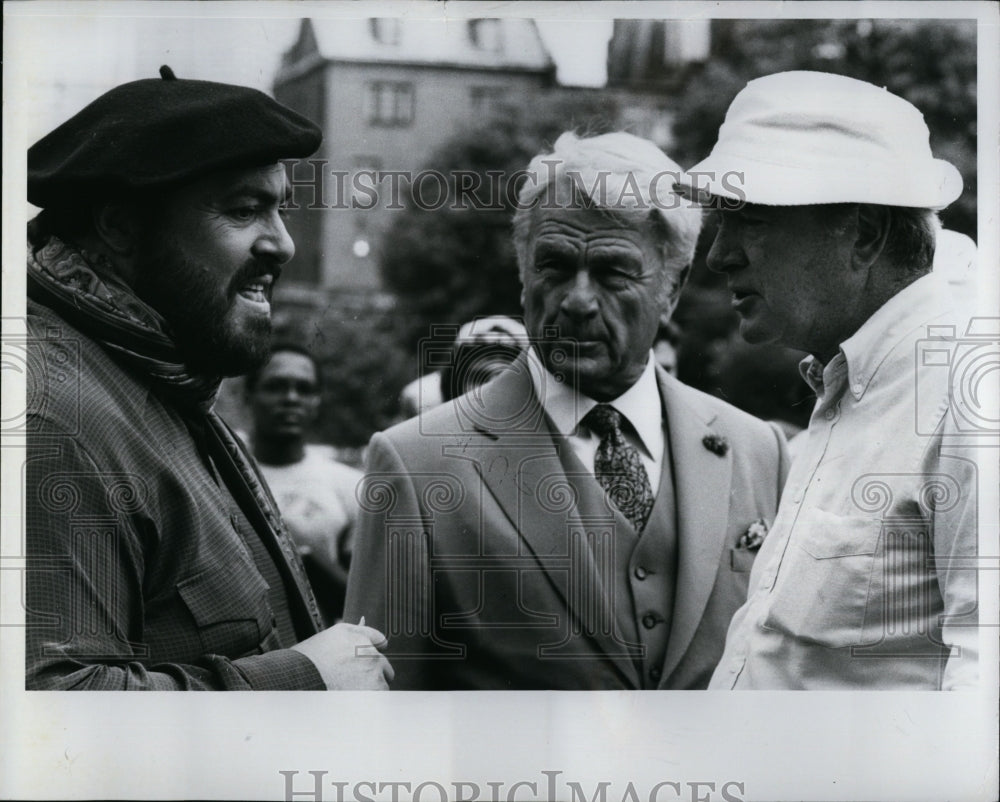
point(201, 319)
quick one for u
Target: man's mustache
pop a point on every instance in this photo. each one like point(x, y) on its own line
point(253, 269)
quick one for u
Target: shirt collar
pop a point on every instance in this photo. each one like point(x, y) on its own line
point(865, 350)
point(566, 407)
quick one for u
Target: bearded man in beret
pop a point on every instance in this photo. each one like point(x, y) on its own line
point(156, 556)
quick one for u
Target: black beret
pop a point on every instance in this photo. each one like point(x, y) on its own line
point(156, 132)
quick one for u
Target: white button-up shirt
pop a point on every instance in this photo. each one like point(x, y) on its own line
point(866, 579)
point(639, 404)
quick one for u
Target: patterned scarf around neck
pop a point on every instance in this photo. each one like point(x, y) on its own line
point(82, 287)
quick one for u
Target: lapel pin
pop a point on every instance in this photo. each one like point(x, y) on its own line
point(754, 536)
point(716, 443)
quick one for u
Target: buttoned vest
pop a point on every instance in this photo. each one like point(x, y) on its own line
point(645, 566)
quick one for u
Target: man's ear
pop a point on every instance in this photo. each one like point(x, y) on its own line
point(872, 233)
point(117, 226)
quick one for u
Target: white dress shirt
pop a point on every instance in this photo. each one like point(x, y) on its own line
point(640, 405)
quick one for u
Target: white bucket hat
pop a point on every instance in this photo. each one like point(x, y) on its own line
point(800, 138)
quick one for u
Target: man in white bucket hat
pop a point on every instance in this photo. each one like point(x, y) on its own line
point(827, 191)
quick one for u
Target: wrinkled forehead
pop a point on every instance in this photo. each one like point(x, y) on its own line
point(596, 225)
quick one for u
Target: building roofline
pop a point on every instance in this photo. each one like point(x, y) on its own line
point(315, 61)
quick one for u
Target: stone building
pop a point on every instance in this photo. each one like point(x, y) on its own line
point(386, 92)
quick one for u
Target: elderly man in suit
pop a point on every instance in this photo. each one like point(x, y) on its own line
point(584, 520)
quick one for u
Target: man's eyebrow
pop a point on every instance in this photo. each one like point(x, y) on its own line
point(257, 193)
point(554, 248)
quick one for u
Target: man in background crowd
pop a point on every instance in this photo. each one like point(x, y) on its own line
point(482, 350)
point(867, 577)
point(156, 558)
point(583, 520)
point(315, 493)
point(666, 345)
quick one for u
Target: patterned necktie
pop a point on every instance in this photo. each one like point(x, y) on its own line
point(618, 467)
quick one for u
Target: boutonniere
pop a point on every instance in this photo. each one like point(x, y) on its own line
point(754, 536)
point(716, 443)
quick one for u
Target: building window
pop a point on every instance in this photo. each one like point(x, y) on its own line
point(385, 30)
point(389, 103)
point(485, 34)
point(491, 101)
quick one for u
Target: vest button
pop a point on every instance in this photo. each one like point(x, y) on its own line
point(655, 674)
point(649, 620)
point(640, 572)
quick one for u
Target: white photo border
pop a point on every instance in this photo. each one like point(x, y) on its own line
point(690, 746)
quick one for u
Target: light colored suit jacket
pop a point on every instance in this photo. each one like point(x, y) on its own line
point(489, 565)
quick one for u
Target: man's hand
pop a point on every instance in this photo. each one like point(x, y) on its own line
point(347, 658)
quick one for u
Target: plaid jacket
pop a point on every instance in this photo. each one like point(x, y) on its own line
point(139, 571)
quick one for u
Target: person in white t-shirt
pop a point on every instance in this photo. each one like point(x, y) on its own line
point(315, 492)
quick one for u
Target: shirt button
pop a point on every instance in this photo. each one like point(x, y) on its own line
point(655, 674)
point(649, 620)
point(830, 414)
point(857, 387)
point(640, 572)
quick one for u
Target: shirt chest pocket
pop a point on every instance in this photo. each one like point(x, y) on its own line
point(826, 583)
point(230, 609)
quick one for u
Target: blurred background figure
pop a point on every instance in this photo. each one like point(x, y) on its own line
point(668, 338)
point(314, 491)
point(483, 348)
point(421, 394)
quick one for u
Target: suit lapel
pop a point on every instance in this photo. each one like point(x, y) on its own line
point(702, 481)
point(517, 458)
point(517, 455)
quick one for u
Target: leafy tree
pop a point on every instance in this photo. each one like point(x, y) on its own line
point(363, 370)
